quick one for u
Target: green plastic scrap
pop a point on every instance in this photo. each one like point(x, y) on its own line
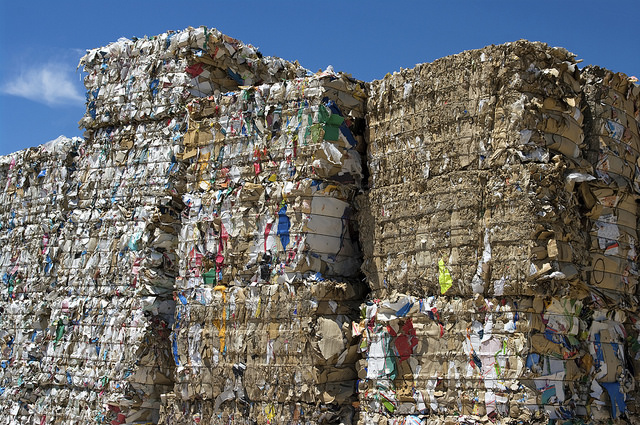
point(323, 115)
point(247, 94)
point(59, 330)
point(332, 127)
point(307, 132)
point(207, 34)
point(331, 123)
point(210, 277)
point(390, 407)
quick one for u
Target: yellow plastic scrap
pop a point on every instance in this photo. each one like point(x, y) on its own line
point(330, 188)
point(270, 412)
point(222, 323)
point(444, 277)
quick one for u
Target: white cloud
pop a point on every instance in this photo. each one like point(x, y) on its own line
point(51, 84)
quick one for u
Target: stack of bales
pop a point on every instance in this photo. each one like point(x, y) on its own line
point(90, 270)
point(73, 340)
point(84, 259)
point(129, 200)
point(106, 219)
point(119, 242)
point(195, 258)
point(612, 127)
point(476, 247)
point(268, 255)
point(31, 221)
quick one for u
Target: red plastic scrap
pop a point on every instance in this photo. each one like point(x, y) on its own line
point(194, 70)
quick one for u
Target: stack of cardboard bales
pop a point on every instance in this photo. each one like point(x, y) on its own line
point(136, 117)
point(612, 126)
point(143, 220)
point(477, 249)
point(103, 216)
point(119, 252)
point(268, 255)
point(195, 260)
point(31, 220)
point(91, 289)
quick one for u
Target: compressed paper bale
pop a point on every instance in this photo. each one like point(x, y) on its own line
point(150, 78)
point(265, 201)
point(250, 336)
point(438, 154)
point(527, 233)
point(431, 346)
point(495, 346)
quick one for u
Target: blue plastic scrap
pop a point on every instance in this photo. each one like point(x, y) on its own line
point(283, 226)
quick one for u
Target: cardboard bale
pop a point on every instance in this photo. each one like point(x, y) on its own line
point(468, 158)
point(506, 359)
point(151, 78)
point(261, 352)
point(271, 172)
point(612, 102)
point(482, 359)
point(86, 275)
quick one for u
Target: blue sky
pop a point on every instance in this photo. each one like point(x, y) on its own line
point(42, 97)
